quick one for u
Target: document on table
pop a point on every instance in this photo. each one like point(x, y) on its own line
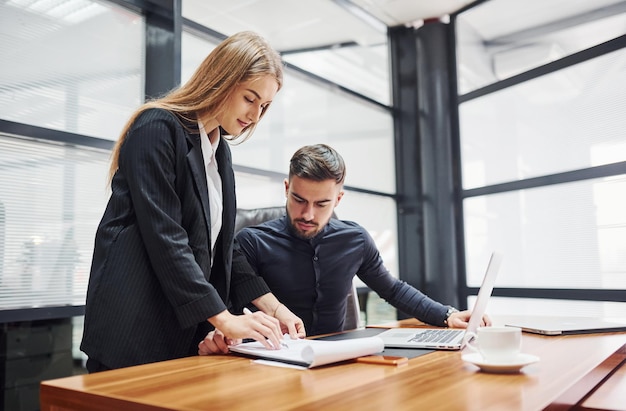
point(312, 353)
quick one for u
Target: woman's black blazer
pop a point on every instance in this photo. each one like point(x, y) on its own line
point(151, 286)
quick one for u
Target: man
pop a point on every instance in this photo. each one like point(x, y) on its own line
point(309, 260)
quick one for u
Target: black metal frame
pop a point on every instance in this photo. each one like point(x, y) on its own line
point(425, 166)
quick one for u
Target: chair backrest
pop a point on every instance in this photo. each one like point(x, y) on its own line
point(255, 216)
point(353, 310)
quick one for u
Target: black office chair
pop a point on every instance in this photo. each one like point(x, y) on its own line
point(255, 216)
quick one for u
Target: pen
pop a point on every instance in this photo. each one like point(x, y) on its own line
point(247, 311)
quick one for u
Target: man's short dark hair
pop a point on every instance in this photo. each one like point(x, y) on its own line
point(317, 162)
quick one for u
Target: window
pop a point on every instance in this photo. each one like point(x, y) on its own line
point(309, 111)
point(52, 197)
point(543, 155)
point(75, 67)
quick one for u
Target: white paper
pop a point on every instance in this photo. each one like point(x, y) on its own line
point(313, 353)
point(279, 364)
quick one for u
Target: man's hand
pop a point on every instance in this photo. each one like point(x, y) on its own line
point(461, 320)
point(289, 322)
point(216, 343)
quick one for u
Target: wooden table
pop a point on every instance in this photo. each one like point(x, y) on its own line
point(571, 367)
point(611, 395)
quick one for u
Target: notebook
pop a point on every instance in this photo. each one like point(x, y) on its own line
point(309, 353)
point(446, 338)
point(565, 325)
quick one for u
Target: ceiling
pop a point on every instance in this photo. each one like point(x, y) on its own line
point(295, 25)
point(409, 12)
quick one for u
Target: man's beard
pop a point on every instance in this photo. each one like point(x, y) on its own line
point(298, 232)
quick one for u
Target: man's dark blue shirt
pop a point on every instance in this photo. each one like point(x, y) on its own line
point(313, 277)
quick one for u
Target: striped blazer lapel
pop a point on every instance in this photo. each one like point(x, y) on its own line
point(196, 165)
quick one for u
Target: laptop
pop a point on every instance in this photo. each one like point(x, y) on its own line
point(446, 338)
point(564, 325)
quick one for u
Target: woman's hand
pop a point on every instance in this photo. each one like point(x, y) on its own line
point(257, 326)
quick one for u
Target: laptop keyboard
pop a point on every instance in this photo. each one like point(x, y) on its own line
point(437, 335)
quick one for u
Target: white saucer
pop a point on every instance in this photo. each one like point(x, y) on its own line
point(512, 367)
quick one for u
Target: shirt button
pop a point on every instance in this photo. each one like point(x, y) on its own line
point(315, 258)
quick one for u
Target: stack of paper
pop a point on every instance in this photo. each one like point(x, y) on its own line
point(312, 353)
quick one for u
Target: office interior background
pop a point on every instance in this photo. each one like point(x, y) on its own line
point(466, 127)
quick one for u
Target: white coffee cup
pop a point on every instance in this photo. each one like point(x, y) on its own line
point(497, 344)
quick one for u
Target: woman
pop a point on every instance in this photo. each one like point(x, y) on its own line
point(165, 264)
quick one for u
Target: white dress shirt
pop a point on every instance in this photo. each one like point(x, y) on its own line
point(214, 182)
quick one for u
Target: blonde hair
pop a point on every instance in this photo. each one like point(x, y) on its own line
point(241, 57)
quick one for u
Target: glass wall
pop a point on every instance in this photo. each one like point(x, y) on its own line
point(73, 72)
point(310, 111)
point(71, 66)
point(78, 69)
point(499, 40)
point(363, 69)
point(352, 127)
point(323, 38)
point(51, 199)
point(562, 121)
point(543, 151)
point(307, 111)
